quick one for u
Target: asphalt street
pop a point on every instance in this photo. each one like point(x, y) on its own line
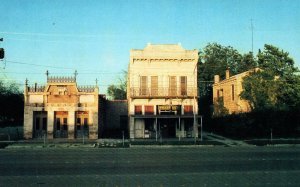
point(153, 166)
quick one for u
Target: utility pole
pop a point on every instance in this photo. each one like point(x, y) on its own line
point(201, 130)
point(251, 36)
point(1, 51)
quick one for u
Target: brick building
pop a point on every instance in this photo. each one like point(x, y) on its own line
point(227, 92)
point(61, 109)
point(162, 92)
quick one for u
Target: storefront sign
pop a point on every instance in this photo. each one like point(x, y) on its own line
point(167, 107)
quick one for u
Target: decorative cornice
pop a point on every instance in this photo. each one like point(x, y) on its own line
point(86, 88)
point(60, 79)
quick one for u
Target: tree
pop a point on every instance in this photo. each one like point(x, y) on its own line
point(214, 59)
point(248, 63)
point(277, 85)
point(118, 92)
point(259, 90)
point(11, 104)
point(220, 109)
point(276, 61)
point(288, 92)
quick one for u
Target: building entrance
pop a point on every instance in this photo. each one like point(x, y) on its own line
point(39, 124)
point(61, 124)
point(167, 127)
point(82, 127)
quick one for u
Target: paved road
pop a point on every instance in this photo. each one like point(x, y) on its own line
point(185, 166)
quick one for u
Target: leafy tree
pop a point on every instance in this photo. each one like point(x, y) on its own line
point(220, 109)
point(259, 90)
point(214, 59)
point(118, 92)
point(248, 63)
point(288, 92)
point(276, 86)
point(11, 104)
point(276, 61)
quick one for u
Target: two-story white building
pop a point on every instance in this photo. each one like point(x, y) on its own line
point(162, 92)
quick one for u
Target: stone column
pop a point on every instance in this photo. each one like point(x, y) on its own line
point(71, 124)
point(195, 129)
point(50, 124)
point(93, 124)
point(131, 127)
point(28, 122)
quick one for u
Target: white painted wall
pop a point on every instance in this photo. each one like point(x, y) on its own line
point(36, 99)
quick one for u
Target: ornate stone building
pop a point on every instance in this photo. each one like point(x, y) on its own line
point(162, 92)
point(61, 109)
point(227, 92)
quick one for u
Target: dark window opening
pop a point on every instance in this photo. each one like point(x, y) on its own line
point(65, 121)
point(37, 123)
point(57, 123)
point(85, 123)
point(44, 124)
point(232, 92)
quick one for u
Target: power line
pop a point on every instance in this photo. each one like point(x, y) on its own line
point(53, 34)
point(57, 67)
point(57, 73)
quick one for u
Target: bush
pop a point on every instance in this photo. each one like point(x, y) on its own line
point(258, 124)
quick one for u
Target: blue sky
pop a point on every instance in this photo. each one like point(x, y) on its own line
point(95, 36)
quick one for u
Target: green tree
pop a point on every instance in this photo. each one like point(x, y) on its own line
point(277, 62)
point(248, 63)
point(288, 92)
point(119, 91)
point(214, 59)
point(220, 109)
point(276, 85)
point(11, 104)
point(259, 90)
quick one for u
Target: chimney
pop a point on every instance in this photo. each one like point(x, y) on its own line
point(227, 74)
point(217, 78)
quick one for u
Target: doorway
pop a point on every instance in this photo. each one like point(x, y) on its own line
point(39, 124)
point(61, 124)
point(167, 127)
point(82, 124)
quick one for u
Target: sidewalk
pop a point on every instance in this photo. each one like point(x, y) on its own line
point(209, 139)
point(224, 140)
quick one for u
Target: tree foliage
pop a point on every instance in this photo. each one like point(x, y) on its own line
point(214, 59)
point(219, 108)
point(11, 104)
point(119, 91)
point(276, 85)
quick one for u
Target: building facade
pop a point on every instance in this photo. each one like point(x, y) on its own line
point(162, 92)
point(61, 109)
point(227, 92)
